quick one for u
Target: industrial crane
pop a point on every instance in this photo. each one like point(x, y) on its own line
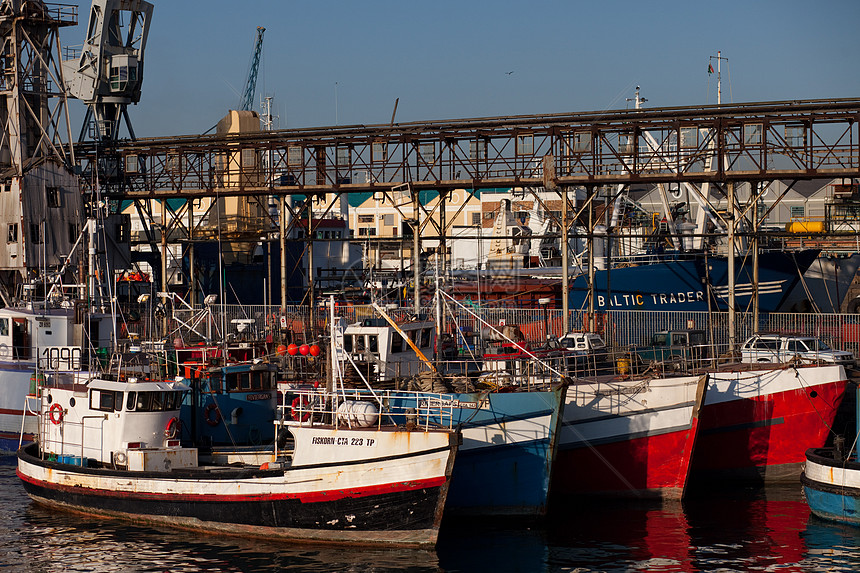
point(106, 73)
point(251, 82)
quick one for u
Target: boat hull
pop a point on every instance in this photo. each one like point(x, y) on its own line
point(832, 487)
point(678, 284)
point(756, 424)
point(631, 438)
point(504, 465)
point(14, 386)
point(394, 497)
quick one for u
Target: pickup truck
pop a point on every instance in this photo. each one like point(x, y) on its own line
point(782, 348)
point(587, 342)
point(685, 345)
point(588, 350)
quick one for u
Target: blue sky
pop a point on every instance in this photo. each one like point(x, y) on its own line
point(331, 62)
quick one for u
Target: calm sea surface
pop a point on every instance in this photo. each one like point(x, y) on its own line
point(746, 530)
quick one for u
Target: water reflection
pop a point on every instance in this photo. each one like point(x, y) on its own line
point(736, 530)
point(739, 530)
point(622, 536)
point(80, 543)
point(831, 546)
point(470, 545)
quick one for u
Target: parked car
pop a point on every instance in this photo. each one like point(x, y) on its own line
point(587, 349)
point(782, 348)
point(588, 342)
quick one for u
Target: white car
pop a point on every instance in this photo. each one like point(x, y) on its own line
point(782, 348)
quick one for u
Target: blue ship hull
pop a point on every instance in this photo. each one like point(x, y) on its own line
point(682, 284)
point(833, 506)
point(504, 464)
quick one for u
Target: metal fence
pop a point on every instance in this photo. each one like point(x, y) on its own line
point(618, 327)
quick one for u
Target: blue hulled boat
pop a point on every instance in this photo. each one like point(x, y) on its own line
point(831, 482)
point(509, 445)
point(509, 428)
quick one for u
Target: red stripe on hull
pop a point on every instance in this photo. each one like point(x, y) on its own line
point(653, 464)
point(770, 430)
point(307, 497)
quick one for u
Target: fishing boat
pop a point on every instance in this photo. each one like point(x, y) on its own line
point(504, 465)
point(629, 436)
point(633, 435)
point(831, 485)
point(824, 286)
point(37, 339)
point(233, 399)
point(757, 420)
point(831, 481)
point(111, 447)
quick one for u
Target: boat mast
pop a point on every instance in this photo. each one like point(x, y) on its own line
point(732, 218)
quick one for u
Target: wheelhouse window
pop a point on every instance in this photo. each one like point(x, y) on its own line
point(106, 400)
point(251, 380)
point(396, 344)
point(263, 380)
point(156, 401)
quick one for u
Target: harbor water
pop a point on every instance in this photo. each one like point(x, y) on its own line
point(740, 529)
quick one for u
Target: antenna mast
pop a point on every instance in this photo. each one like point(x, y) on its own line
point(719, 59)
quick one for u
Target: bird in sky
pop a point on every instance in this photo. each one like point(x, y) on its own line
point(508, 73)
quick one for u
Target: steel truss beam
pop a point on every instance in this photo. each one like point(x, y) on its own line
point(758, 142)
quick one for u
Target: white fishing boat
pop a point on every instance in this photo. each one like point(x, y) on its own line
point(110, 447)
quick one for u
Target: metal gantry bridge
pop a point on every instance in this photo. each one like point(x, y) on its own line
point(717, 144)
point(794, 140)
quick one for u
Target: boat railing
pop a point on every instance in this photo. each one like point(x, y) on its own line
point(368, 408)
point(76, 440)
point(526, 371)
point(625, 362)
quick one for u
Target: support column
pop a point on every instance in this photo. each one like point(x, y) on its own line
point(310, 238)
point(416, 254)
point(442, 266)
point(590, 243)
point(730, 187)
point(192, 284)
point(755, 191)
point(282, 241)
point(164, 259)
point(565, 265)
